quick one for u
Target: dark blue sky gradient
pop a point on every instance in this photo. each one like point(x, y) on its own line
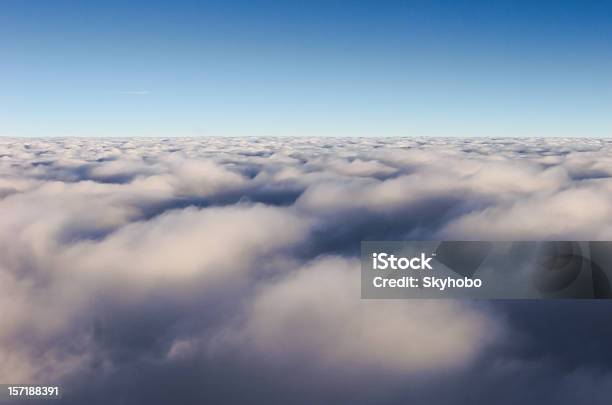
point(454, 68)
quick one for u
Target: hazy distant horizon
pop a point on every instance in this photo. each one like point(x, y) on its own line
point(382, 137)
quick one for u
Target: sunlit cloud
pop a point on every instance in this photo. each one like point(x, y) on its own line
point(210, 259)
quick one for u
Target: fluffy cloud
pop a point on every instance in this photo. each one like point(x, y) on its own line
point(313, 317)
point(188, 263)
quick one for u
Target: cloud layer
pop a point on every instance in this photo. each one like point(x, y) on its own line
point(226, 269)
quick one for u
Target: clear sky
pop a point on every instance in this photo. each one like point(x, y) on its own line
point(364, 68)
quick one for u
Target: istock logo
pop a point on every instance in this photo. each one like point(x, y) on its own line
point(383, 261)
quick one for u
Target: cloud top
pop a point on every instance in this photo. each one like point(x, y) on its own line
point(204, 261)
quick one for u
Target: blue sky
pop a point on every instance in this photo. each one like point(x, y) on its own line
point(324, 68)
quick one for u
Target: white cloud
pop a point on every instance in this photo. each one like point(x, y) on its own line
point(115, 250)
point(314, 317)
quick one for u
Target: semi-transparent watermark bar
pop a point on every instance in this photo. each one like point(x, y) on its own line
point(486, 270)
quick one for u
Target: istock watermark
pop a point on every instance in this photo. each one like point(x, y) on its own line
point(486, 270)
